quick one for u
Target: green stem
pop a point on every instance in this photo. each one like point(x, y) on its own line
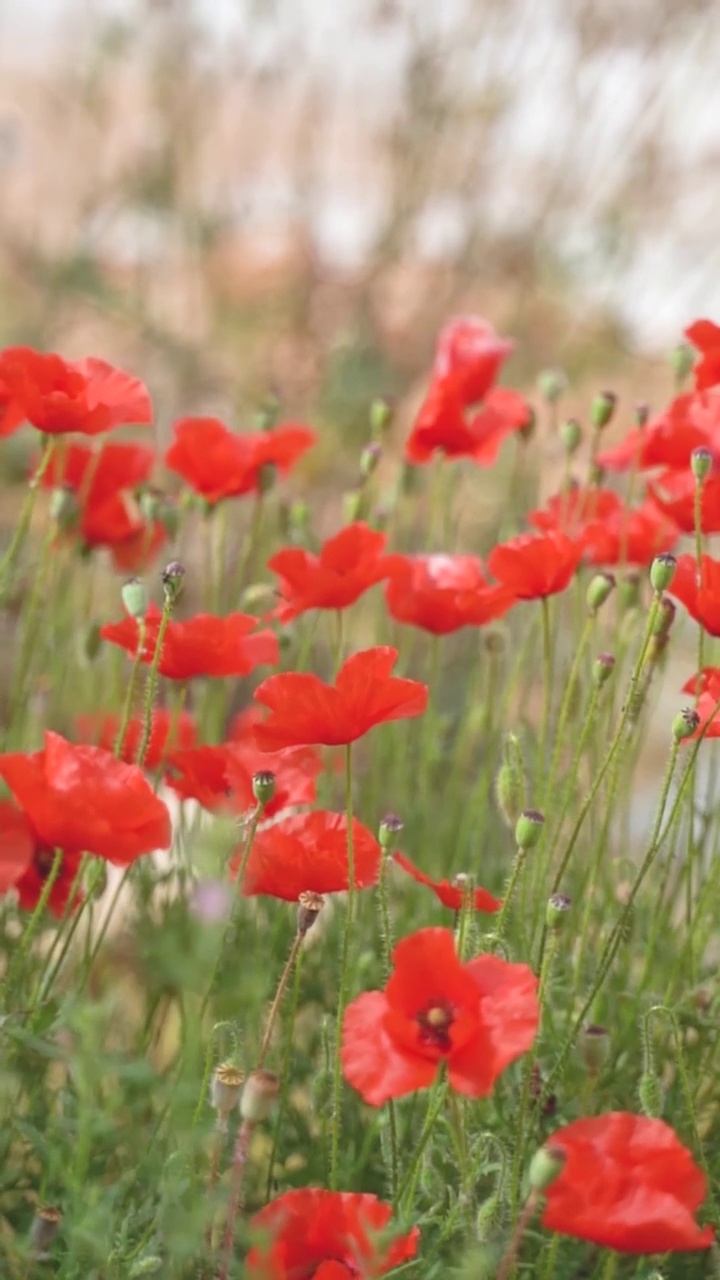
point(567, 703)
point(151, 685)
point(33, 923)
point(515, 873)
point(548, 685)
point(344, 978)
point(408, 1186)
point(231, 929)
point(129, 702)
point(284, 1076)
point(8, 562)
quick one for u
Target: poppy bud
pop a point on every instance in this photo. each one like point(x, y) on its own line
point(134, 598)
point(352, 505)
point(682, 359)
point(599, 588)
point(603, 667)
point(551, 384)
point(310, 905)
point(546, 1165)
point(685, 724)
point(596, 474)
point(381, 414)
point(490, 1218)
point(558, 905)
point(594, 1048)
point(602, 409)
point(264, 785)
point(662, 571)
point(510, 781)
point(64, 508)
point(642, 413)
point(44, 1229)
point(629, 591)
point(390, 827)
point(225, 1088)
point(651, 1094)
point(571, 435)
point(701, 461)
point(172, 580)
point(148, 1266)
point(528, 829)
point(169, 517)
point(261, 1092)
point(369, 459)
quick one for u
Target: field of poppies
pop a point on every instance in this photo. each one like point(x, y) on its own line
point(345, 927)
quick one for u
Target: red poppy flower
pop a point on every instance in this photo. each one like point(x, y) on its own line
point(609, 532)
point(220, 778)
point(449, 893)
point(472, 354)
point(218, 463)
point(58, 396)
point(104, 482)
point(17, 845)
point(303, 709)
point(443, 593)
point(314, 1234)
point(205, 645)
point(628, 1184)
point(705, 337)
point(674, 494)
point(82, 800)
point(690, 421)
point(479, 1017)
point(308, 851)
point(700, 593)
point(11, 415)
point(348, 565)
point(536, 565)
point(168, 732)
point(444, 424)
point(708, 681)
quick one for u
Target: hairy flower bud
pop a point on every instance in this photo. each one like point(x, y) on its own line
point(528, 829)
point(570, 433)
point(510, 781)
point(264, 785)
point(599, 589)
point(546, 1165)
point(701, 461)
point(390, 827)
point(556, 912)
point(603, 667)
point(662, 571)
point(134, 598)
point(685, 724)
point(172, 580)
point(261, 1092)
point(602, 409)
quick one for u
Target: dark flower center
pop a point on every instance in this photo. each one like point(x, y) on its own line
point(435, 1022)
point(43, 859)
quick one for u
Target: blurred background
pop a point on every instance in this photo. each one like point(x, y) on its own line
point(231, 197)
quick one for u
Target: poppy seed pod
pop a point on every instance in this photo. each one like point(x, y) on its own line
point(261, 1092)
point(599, 589)
point(556, 912)
point(662, 571)
point(701, 461)
point(134, 598)
point(264, 785)
point(528, 829)
point(44, 1229)
point(309, 907)
point(390, 827)
point(570, 433)
point(546, 1165)
point(225, 1087)
point(685, 724)
point(602, 409)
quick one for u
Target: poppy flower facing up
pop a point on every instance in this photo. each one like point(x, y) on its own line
point(705, 337)
point(314, 1234)
point(442, 593)
point(306, 710)
point(220, 778)
point(168, 732)
point(82, 800)
point(450, 893)
point(218, 463)
point(348, 565)
point(308, 851)
point(674, 495)
point(700, 593)
point(536, 565)
point(628, 1184)
point(478, 1017)
point(58, 396)
point(205, 645)
point(472, 354)
point(444, 425)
